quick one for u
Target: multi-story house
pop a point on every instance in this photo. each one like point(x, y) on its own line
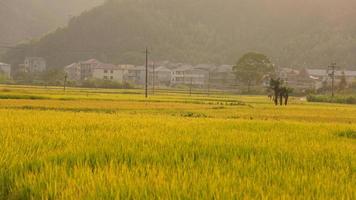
point(179, 74)
point(94, 69)
point(73, 72)
point(188, 75)
point(35, 64)
point(160, 76)
point(87, 68)
point(222, 77)
point(108, 72)
point(134, 74)
point(323, 76)
point(5, 69)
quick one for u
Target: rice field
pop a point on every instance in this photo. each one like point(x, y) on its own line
point(115, 144)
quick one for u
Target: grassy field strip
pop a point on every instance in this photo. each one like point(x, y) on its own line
point(307, 113)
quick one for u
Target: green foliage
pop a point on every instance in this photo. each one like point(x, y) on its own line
point(53, 76)
point(343, 82)
point(329, 99)
point(3, 78)
point(97, 83)
point(347, 134)
point(279, 91)
point(22, 96)
point(252, 68)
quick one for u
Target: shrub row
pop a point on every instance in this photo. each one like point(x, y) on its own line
point(330, 99)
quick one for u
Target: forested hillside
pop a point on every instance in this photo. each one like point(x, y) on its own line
point(22, 20)
point(294, 33)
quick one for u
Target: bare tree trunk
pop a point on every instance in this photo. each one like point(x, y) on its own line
point(286, 99)
point(275, 98)
point(281, 99)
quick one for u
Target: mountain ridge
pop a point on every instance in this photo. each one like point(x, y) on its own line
point(27, 19)
point(294, 34)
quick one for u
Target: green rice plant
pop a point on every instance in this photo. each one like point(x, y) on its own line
point(347, 134)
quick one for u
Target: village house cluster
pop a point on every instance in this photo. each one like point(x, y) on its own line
point(162, 74)
point(31, 65)
point(167, 74)
point(314, 78)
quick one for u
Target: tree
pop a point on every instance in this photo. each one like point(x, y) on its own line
point(280, 91)
point(284, 92)
point(52, 76)
point(252, 68)
point(3, 78)
point(275, 85)
point(343, 82)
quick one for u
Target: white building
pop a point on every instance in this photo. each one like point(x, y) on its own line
point(86, 68)
point(5, 69)
point(179, 74)
point(161, 76)
point(188, 75)
point(35, 64)
point(108, 72)
point(94, 69)
point(321, 76)
point(223, 77)
point(73, 71)
point(134, 74)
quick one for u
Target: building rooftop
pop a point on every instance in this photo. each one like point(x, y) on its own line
point(32, 58)
point(317, 72)
point(162, 69)
point(184, 68)
point(224, 68)
point(204, 66)
point(106, 66)
point(324, 72)
point(90, 61)
point(71, 65)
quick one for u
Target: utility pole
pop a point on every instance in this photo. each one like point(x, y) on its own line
point(209, 84)
point(65, 82)
point(146, 81)
point(153, 79)
point(191, 84)
point(332, 67)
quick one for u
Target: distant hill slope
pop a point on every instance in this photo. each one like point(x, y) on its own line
point(294, 33)
point(24, 19)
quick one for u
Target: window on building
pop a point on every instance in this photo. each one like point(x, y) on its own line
point(111, 77)
point(105, 78)
point(105, 71)
point(112, 71)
